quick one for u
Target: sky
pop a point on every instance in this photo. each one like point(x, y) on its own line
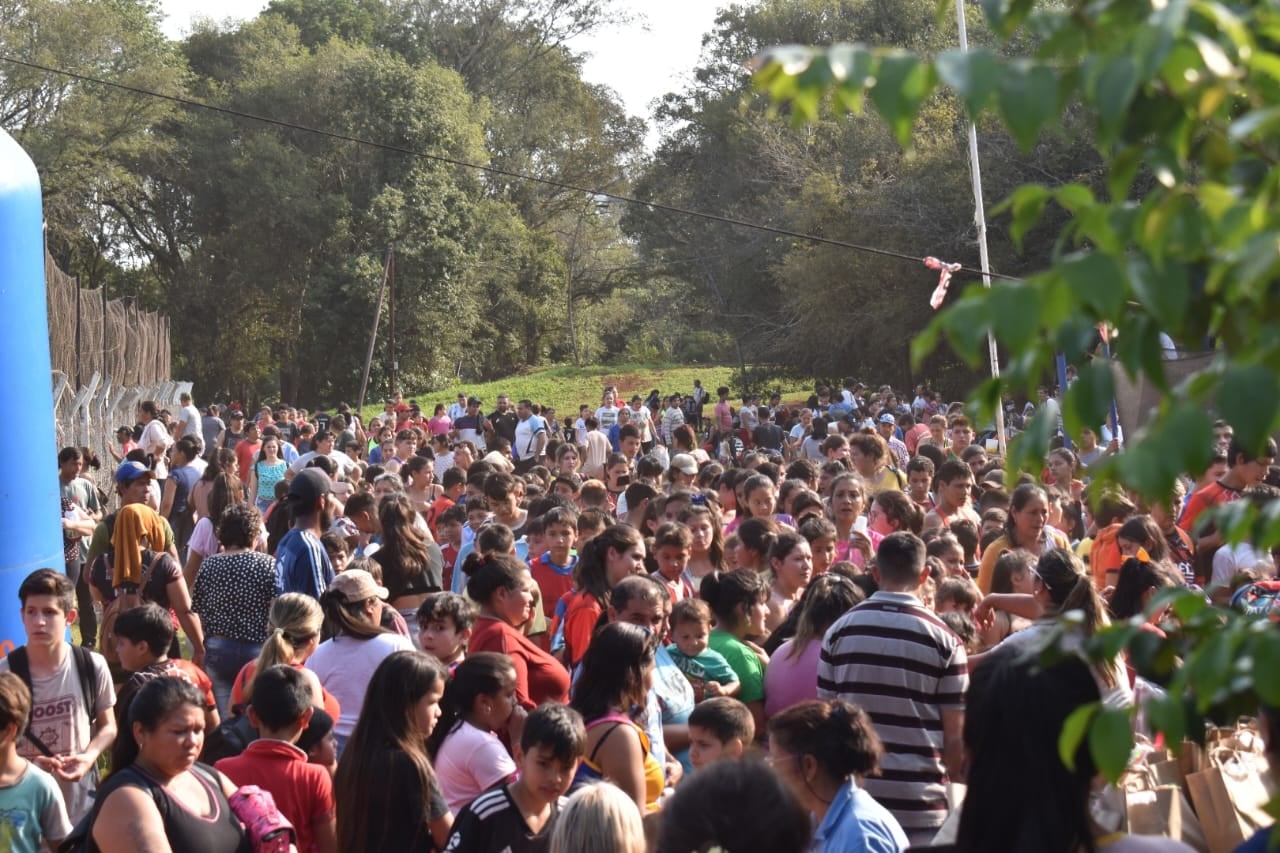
point(641, 62)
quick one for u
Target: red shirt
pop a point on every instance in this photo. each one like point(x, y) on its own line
point(1210, 496)
point(303, 792)
point(245, 454)
point(539, 677)
point(553, 580)
point(580, 618)
point(245, 675)
point(438, 506)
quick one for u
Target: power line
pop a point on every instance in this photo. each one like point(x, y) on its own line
point(493, 170)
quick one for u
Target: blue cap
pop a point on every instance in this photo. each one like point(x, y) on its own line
point(130, 471)
point(888, 419)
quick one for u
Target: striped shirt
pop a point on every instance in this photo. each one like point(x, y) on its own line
point(897, 660)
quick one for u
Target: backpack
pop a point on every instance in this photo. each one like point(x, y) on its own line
point(20, 665)
point(232, 736)
point(122, 602)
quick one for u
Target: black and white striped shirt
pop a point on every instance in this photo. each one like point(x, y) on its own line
point(896, 659)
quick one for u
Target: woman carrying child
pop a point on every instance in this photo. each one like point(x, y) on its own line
point(737, 601)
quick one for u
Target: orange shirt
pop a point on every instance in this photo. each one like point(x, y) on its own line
point(331, 706)
point(1210, 496)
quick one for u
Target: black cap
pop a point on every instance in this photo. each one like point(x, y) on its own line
point(309, 486)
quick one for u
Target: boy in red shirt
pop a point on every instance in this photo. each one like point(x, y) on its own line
point(281, 709)
point(553, 568)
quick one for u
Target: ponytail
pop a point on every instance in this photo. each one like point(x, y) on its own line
point(1070, 588)
point(295, 620)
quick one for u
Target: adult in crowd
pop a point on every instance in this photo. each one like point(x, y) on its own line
point(175, 502)
point(412, 564)
point(792, 674)
point(529, 441)
point(212, 429)
point(223, 461)
point(86, 510)
point(324, 444)
point(268, 469)
point(1027, 527)
point(232, 595)
point(610, 556)
point(617, 673)
point(157, 797)
point(293, 636)
point(738, 601)
point(898, 660)
point(502, 587)
point(135, 566)
point(345, 663)
point(304, 564)
point(1015, 711)
point(822, 750)
point(154, 440)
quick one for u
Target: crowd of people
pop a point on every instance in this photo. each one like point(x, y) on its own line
point(669, 624)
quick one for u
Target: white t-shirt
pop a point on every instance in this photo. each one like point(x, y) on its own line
point(155, 440)
point(643, 418)
point(344, 462)
point(345, 667)
point(580, 432)
point(470, 762)
point(607, 416)
point(190, 416)
point(527, 431)
point(59, 719)
point(1236, 558)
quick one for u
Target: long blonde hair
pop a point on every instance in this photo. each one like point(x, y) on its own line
point(599, 818)
point(295, 620)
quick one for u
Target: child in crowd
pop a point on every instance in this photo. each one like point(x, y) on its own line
point(34, 817)
point(671, 549)
point(721, 728)
point(957, 595)
point(449, 526)
point(143, 636)
point(445, 620)
point(553, 568)
point(479, 701)
point(519, 816)
point(337, 549)
point(791, 564)
point(707, 670)
point(821, 536)
point(591, 523)
point(759, 500)
point(71, 690)
point(318, 742)
point(281, 711)
point(948, 551)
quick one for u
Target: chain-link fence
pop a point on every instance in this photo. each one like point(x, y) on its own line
point(107, 356)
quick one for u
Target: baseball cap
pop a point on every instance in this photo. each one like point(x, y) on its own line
point(473, 401)
point(357, 585)
point(130, 471)
point(887, 418)
point(237, 415)
point(684, 463)
point(309, 486)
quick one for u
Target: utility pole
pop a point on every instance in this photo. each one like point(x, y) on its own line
point(980, 219)
point(391, 332)
point(373, 336)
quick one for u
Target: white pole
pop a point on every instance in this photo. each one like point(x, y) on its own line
point(980, 219)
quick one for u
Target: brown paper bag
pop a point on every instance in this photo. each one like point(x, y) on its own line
point(1157, 807)
point(1229, 799)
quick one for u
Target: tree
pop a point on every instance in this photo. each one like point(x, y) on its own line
point(94, 144)
point(1183, 99)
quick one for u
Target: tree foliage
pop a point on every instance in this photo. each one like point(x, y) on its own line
point(824, 309)
point(1179, 235)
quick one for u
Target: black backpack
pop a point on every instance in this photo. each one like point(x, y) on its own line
point(20, 665)
point(230, 738)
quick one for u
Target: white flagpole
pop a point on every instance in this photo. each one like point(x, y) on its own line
point(980, 219)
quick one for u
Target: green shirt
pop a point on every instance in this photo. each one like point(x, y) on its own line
point(743, 660)
point(708, 666)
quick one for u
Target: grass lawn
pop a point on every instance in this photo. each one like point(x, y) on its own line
point(566, 388)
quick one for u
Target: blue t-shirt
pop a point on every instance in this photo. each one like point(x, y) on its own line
point(32, 810)
point(856, 823)
point(1258, 843)
point(675, 697)
point(708, 666)
point(303, 563)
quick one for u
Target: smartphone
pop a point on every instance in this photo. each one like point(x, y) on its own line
point(624, 480)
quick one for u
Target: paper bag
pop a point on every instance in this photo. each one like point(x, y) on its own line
point(1229, 799)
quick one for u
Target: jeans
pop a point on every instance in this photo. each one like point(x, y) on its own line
point(223, 660)
point(263, 506)
point(78, 574)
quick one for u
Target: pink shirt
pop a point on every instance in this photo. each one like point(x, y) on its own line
point(440, 425)
point(790, 680)
point(471, 762)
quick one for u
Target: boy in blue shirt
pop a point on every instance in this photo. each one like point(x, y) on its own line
point(31, 807)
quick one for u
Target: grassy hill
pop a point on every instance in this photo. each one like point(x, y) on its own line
point(566, 388)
